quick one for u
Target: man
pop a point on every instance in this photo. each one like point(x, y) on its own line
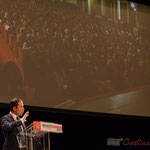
point(11, 124)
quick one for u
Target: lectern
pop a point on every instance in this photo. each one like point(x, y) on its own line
point(37, 135)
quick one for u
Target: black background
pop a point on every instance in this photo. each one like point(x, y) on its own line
point(86, 130)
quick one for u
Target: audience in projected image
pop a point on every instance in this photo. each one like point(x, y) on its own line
point(67, 50)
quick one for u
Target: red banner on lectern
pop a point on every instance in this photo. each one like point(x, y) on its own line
point(36, 125)
point(47, 127)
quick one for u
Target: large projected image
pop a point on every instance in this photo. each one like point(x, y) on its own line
point(67, 53)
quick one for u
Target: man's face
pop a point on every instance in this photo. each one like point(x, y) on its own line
point(20, 109)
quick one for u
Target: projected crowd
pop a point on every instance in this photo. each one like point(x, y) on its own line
point(68, 53)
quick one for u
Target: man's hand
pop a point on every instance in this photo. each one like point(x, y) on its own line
point(25, 116)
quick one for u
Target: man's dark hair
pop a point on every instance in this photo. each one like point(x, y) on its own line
point(14, 102)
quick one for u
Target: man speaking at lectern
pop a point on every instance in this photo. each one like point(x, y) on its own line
point(11, 124)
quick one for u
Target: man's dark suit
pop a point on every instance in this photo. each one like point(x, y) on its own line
point(10, 130)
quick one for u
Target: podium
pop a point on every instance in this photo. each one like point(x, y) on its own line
point(37, 135)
